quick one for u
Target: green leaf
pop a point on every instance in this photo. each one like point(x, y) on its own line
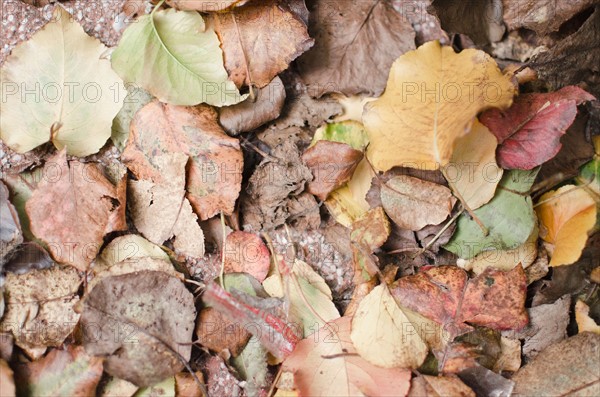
point(177, 58)
point(58, 87)
point(509, 217)
point(349, 132)
point(252, 366)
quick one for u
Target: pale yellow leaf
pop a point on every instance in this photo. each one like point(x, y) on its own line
point(584, 322)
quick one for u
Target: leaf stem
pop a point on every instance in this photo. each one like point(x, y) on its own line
point(442, 230)
point(466, 206)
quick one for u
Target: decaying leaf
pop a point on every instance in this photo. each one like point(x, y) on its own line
point(413, 203)
point(566, 216)
point(160, 211)
point(253, 368)
point(39, 307)
point(7, 383)
point(216, 161)
point(259, 40)
point(509, 218)
point(136, 99)
point(566, 368)
point(10, 234)
point(247, 253)
point(205, 5)
point(175, 57)
point(416, 122)
point(439, 386)
point(481, 21)
point(330, 366)
point(472, 171)
point(72, 209)
point(154, 316)
point(217, 332)
point(383, 335)
point(356, 42)
point(584, 322)
point(529, 131)
point(254, 112)
point(77, 94)
point(68, 372)
point(372, 229)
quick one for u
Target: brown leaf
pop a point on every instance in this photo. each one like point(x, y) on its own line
point(216, 161)
point(246, 253)
point(260, 40)
point(71, 210)
point(413, 203)
point(39, 307)
point(205, 5)
point(356, 43)
point(439, 386)
point(69, 372)
point(160, 210)
point(153, 315)
point(566, 368)
point(541, 16)
point(217, 332)
point(251, 114)
point(332, 164)
point(481, 20)
point(10, 235)
point(7, 383)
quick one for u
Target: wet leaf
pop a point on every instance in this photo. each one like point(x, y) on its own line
point(566, 216)
point(431, 100)
point(175, 57)
point(216, 161)
point(78, 94)
point(355, 44)
point(341, 371)
point(529, 131)
point(154, 316)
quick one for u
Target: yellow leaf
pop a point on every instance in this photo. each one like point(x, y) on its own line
point(383, 335)
point(431, 100)
point(584, 322)
point(566, 215)
point(472, 171)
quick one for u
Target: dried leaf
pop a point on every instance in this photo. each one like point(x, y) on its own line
point(431, 100)
point(383, 335)
point(77, 94)
point(154, 315)
point(160, 211)
point(205, 5)
point(356, 43)
point(565, 368)
point(10, 234)
point(529, 131)
point(215, 172)
point(175, 57)
point(71, 210)
point(247, 253)
point(136, 99)
point(252, 367)
point(439, 386)
point(584, 322)
point(217, 332)
point(330, 366)
point(481, 21)
point(566, 215)
point(413, 203)
point(260, 40)
point(372, 229)
point(7, 383)
point(69, 372)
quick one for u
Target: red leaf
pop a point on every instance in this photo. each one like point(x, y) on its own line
point(529, 131)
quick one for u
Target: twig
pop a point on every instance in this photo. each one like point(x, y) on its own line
point(222, 251)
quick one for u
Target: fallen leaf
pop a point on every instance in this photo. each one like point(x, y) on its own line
point(584, 322)
point(509, 218)
point(547, 326)
point(68, 372)
point(10, 235)
point(219, 380)
point(215, 173)
point(252, 113)
point(356, 43)
point(185, 384)
point(543, 17)
point(372, 229)
point(246, 253)
point(383, 335)
point(510, 357)
point(472, 172)
point(481, 21)
point(175, 57)
point(565, 368)
point(439, 386)
point(116, 387)
point(217, 332)
point(431, 100)
point(160, 211)
point(154, 316)
point(330, 366)
point(574, 59)
point(444, 294)
point(253, 369)
point(166, 388)
point(76, 93)
point(485, 382)
point(566, 216)
point(136, 99)
point(205, 5)
point(413, 203)
point(352, 107)
point(529, 131)
point(260, 40)
point(350, 132)
point(7, 383)
point(71, 210)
